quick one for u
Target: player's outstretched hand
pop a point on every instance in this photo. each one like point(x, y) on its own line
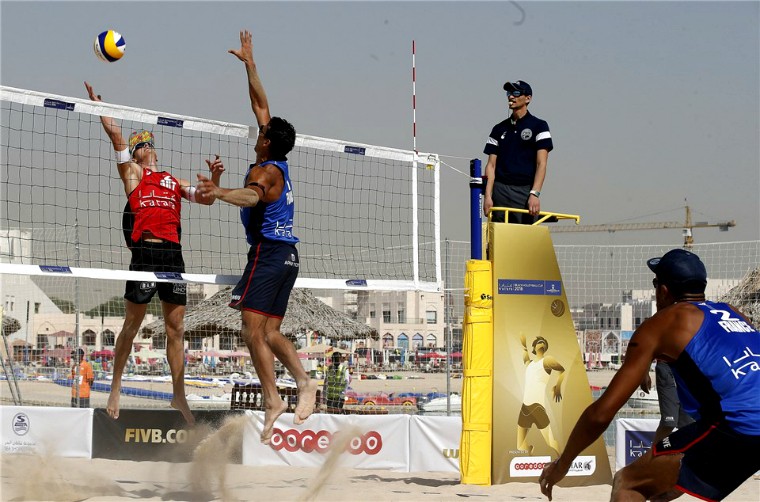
point(93, 96)
point(215, 166)
point(551, 475)
point(245, 53)
point(205, 187)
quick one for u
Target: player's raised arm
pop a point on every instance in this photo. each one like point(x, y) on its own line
point(259, 103)
point(241, 197)
point(207, 198)
point(109, 125)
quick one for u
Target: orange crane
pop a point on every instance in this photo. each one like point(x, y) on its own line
point(686, 226)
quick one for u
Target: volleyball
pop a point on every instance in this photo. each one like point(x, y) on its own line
point(109, 46)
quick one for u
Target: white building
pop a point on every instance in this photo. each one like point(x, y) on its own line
point(404, 319)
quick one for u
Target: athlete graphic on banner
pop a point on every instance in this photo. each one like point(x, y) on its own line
point(533, 411)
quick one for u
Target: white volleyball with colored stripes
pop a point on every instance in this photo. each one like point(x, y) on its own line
point(109, 46)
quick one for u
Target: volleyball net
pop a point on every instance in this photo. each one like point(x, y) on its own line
point(367, 216)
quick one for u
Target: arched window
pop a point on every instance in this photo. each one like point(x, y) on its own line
point(108, 338)
point(417, 341)
point(387, 341)
point(432, 340)
point(611, 344)
point(403, 341)
point(89, 337)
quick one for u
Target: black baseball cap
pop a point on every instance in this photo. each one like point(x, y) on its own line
point(678, 266)
point(519, 85)
point(77, 353)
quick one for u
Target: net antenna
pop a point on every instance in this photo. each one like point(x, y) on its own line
point(366, 215)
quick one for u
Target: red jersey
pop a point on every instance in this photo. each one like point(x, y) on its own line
point(156, 204)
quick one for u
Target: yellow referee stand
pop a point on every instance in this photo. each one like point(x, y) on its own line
point(519, 344)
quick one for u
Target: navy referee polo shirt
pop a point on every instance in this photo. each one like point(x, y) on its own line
point(515, 147)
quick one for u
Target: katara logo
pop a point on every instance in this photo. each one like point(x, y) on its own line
point(310, 441)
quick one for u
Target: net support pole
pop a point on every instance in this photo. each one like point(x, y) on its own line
point(476, 198)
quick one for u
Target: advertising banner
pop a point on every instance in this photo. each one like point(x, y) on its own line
point(43, 430)
point(540, 383)
point(377, 442)
point(434, 444)
point(157, 435)
point(633, 438)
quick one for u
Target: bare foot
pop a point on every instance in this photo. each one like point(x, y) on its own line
point(112, 407)
point(271, 414)
point(307, 397)
point(180, 403)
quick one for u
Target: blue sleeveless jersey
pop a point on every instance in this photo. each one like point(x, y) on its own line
point(718, 373)
point(271, 221)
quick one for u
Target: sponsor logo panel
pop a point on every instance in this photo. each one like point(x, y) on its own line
point(308, 441)
point(528, 467)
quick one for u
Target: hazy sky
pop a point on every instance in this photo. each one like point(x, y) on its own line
point(649, 103)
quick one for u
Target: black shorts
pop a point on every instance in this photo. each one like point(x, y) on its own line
point(533, 414)
point(268, 279)
point(716, 459)
point(514, 196)
point(156, 257)
point(672, 413)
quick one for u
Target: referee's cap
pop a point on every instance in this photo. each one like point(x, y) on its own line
point(519, 85)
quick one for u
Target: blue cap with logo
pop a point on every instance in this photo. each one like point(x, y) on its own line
point(519, 85)
point(678, 266)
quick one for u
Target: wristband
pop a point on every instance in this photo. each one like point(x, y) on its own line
point(191, 194)
point(123, 156)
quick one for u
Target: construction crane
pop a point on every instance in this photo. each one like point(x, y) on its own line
point(686, 226)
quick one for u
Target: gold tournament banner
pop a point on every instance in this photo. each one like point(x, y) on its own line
point(540, 385)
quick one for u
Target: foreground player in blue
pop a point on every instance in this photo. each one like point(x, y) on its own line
point(266, 202)
point(714, 353)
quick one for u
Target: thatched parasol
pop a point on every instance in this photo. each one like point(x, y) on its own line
point(10, 325)
point(746, 296)
point(305, 313)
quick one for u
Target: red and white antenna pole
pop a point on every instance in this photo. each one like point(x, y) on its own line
point(414, 100)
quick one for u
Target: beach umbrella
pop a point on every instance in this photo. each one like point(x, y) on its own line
point(305, 313)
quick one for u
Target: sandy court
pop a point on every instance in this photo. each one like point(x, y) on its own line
point(98, 479)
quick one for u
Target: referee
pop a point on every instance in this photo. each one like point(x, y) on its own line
point(518, 149)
